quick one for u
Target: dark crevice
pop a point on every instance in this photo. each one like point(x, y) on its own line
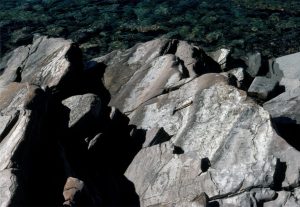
point(279, 175)
point(205, 164)
point(204, 64)
point(160, 137)
point(185, 72)
point(264, 68)
point(213, 204)
point(170, 47)
point(102, 166)
point(18, 78)
point(9, 126)
point(278, 89)
point(288, 129)
point(177, 150)
point(233, 60)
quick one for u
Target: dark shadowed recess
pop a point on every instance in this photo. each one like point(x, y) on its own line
point(288, 129)
point(63, 151)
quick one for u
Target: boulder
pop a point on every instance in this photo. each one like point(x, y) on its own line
point(209, 120)
point(84, 109)
point(136, 75)
point(22, 109)
point(289, 67)
point(262, 87)
point(44, 63)
point(253, 61)
point(121, 65)
point(220, 56)
point(195, 60)
point(148, 82)
point(286, 105)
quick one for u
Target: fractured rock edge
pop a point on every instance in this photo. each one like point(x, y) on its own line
point(180, 109)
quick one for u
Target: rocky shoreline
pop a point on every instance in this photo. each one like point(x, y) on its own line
point(163, 123)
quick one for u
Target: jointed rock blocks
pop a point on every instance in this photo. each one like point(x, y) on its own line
point(154, 125)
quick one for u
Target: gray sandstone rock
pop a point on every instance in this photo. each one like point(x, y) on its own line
point(22, 108)
point(215, 121)
point(206, 143)
point(8, 184)
point(220, 56)
point(83, 108)
point(262, 87)
point(289, 66)
point(44, 63)
point(148, 82)
point(189, 55)
point(155, 136)
point(236, 76)
point(121, 65)
point(286, 105)
point(253, 61)
point(150, 69)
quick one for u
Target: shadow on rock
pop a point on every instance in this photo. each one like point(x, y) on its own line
point(288, 129)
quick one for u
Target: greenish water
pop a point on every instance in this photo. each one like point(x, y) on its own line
point(269, 26)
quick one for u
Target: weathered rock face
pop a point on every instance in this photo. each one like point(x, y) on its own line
point(22, 108)
point(121, 65)
point(262, 87)
point(289, 67)
point(147, 70)
point(285, 105)
point(219, 124)
point(222, 143)
point(83, 108)
point(163, 129)
point(44, 63)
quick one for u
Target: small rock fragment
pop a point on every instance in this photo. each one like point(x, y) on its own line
point(72, 189)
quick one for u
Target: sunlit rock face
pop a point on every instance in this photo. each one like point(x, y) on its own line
point(219, 124)
point(160, 124)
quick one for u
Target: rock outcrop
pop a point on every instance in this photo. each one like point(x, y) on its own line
point(160, 124)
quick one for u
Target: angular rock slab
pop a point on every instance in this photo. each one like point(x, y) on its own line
point(121, 65)
point(85, 107)
point(289, 67)
point(147, 70)
point(148, 82)
point(286, 105)
point(21, 110)
point(208, 120)
point(220, 56)
point(44, 63)
point(262, 87)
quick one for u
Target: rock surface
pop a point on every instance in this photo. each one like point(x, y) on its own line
point(262, 87)
point(82, 108)
point(289, 66)
point(164, 128)
point(238, 153)
point(44, 63)
point(22, 109)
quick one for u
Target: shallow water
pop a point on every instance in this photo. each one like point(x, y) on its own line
point(269, 26)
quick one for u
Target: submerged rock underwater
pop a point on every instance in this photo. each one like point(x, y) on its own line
point(100, 26)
